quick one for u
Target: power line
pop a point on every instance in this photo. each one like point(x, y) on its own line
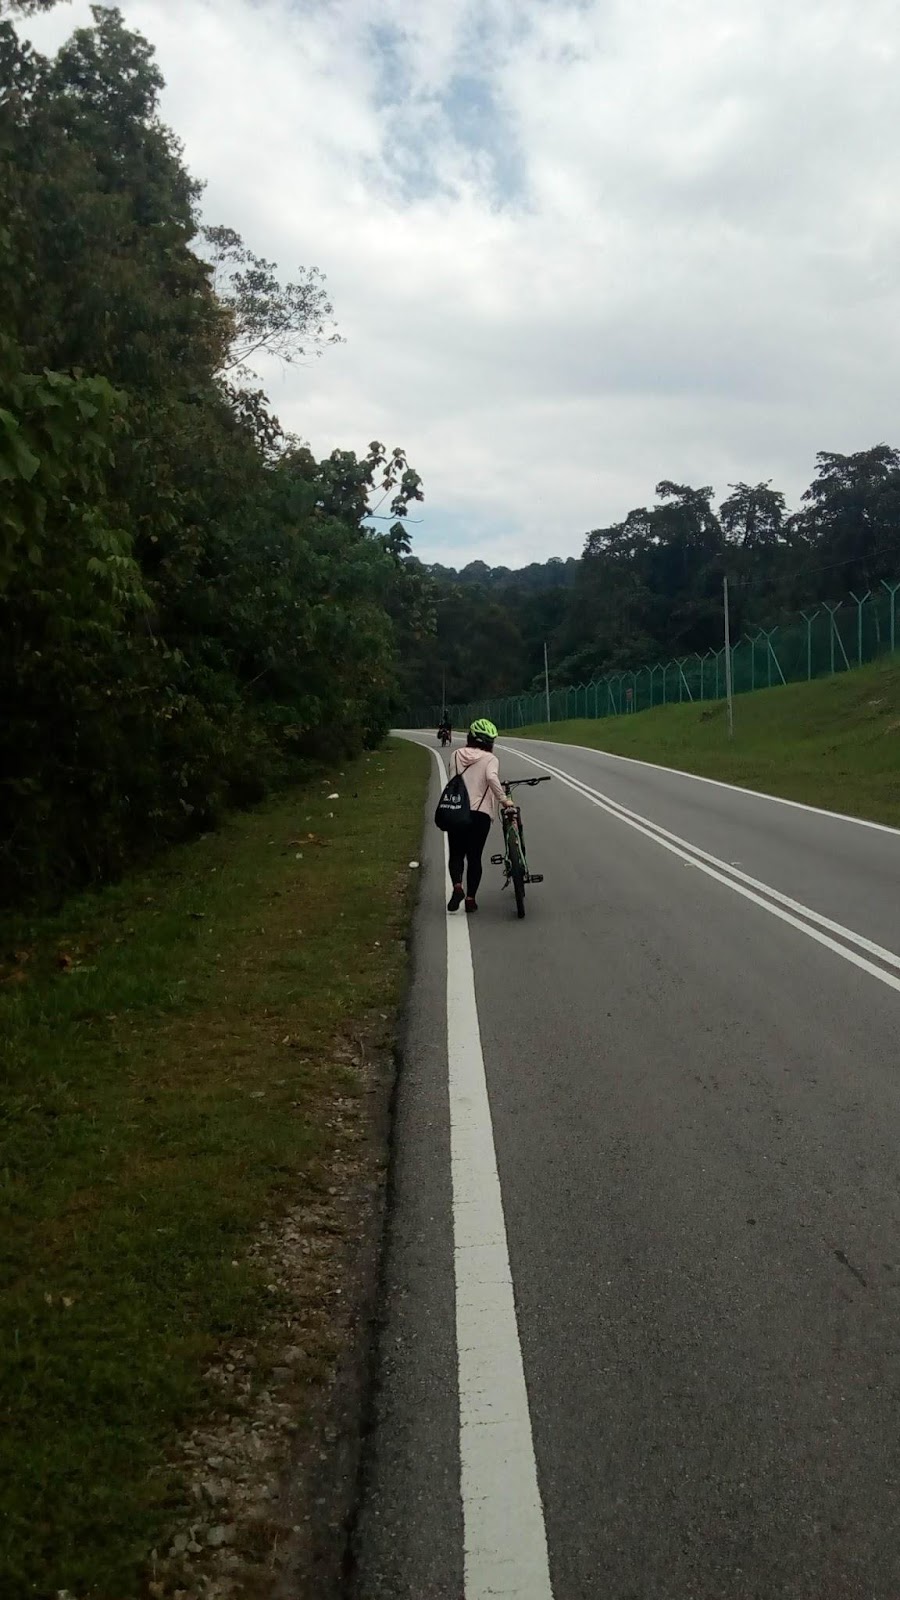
point(744, 585)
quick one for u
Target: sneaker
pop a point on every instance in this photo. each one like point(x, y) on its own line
point(456, 899)
point(471, 903)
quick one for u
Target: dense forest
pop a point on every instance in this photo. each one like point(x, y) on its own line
point(650, 587)
point(192, 608)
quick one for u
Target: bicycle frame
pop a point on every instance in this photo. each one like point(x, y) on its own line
point(511, 822)
point(513, 828)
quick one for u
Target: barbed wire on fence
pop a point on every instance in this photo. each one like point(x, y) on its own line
point(812, 644)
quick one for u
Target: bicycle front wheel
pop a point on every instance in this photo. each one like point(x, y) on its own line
point(517, 871)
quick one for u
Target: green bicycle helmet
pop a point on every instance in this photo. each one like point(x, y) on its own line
point(482, 733)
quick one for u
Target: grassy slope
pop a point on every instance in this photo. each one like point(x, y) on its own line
point(168, 1080)
point(833, 743)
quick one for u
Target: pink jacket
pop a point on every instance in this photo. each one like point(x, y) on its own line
point(481, 775)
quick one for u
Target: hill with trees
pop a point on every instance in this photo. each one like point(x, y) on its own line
point(650, 587)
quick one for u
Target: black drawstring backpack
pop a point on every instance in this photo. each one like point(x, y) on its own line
point(454, 809)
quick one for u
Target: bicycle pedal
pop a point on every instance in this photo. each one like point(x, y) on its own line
point(535, 877)
point(496, 861)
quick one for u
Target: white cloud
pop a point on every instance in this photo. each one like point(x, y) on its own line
point(574, 247)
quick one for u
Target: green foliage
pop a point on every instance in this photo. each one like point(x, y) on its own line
point(282, 320)
point(26, 8)
point(853, 516)
point(192, 608)
point(482, 628)
point(649, 588)
point(56, 437)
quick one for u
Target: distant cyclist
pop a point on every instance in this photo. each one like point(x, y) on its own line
point(481, 775)
point(445, 732)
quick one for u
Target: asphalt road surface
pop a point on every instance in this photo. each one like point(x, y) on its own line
point(641, 1333)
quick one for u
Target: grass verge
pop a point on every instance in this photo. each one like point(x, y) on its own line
point(833, 743)
point(172, 1055)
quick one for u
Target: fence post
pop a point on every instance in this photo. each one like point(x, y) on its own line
point(835, 635)
point(859, 606)
point(809, 620)
point(772, 656)
point(729, 659)
point(893, 595)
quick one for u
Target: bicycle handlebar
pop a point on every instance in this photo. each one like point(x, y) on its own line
point(512, 783)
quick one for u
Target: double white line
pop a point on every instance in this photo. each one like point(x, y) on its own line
point(833, 935)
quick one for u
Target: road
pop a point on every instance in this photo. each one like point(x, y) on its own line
point(641, 1333)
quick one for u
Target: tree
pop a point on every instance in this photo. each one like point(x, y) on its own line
point(96, 270)
point(192, 607)
point(344, 483)
point(851, 517)
point(753, 517)
point(25, 8)
point(288, 321)
point(765, 552)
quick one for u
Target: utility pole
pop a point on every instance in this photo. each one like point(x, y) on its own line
point(443, 691)
point(546, 680)
point(728, 686)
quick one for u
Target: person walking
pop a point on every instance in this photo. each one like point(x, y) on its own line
point(480, 770)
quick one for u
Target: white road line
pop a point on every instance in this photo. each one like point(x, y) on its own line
point(732, 871)
point(503, 1518)
point(719, 783)
point(739, 882)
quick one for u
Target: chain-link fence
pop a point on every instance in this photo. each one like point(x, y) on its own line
point(812, 644)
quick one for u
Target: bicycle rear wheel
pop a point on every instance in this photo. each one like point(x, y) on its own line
point(517, 870)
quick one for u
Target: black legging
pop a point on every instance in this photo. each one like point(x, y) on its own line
point(467, 847)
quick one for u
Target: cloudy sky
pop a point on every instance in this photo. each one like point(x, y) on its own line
point(575, 246)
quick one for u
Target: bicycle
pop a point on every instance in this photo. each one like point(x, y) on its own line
point(514, 860)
